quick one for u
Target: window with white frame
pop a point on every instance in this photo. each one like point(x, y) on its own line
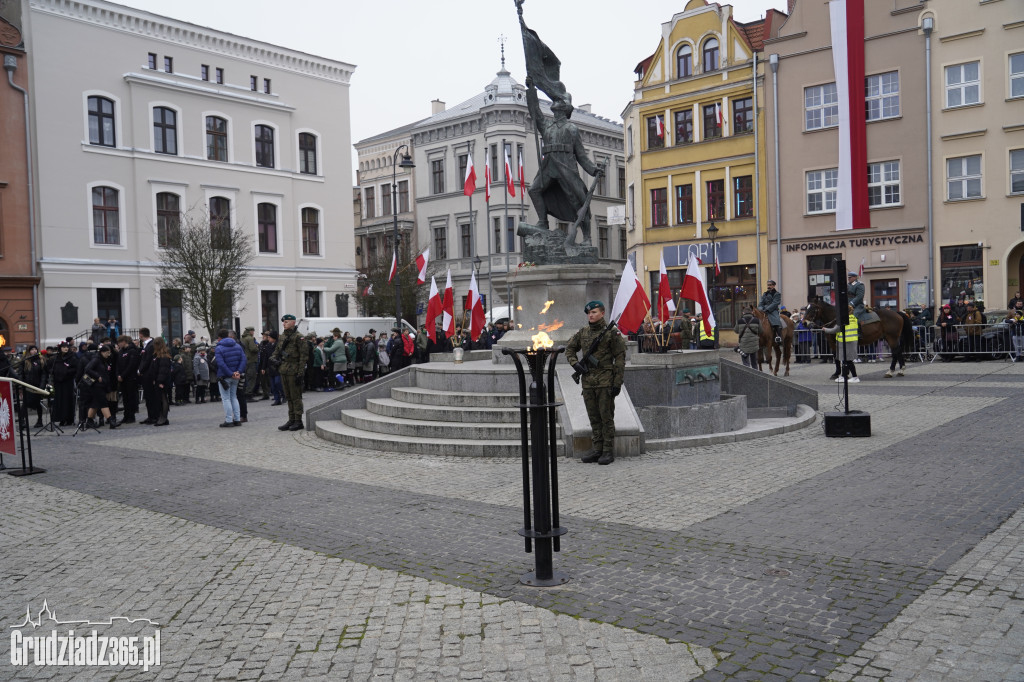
point(963, 177)
point(821, 106)
point(884, 184)
point(1016, 70)
point(1017, 171)
point(963, 84)
point(165, 130)
point(882, 96)
point(106, 223)
point(821, 190)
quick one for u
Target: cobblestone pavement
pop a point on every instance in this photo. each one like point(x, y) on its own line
point(787, 557)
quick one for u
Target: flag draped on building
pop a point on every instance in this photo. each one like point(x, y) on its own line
point(510, 182)
point(394, 265)
point(695, 288)
point(433, 309)
point(718, 114)
point(665, 304)
point(631, 303)
point(469, 186)
point(660, 127)
point(847, 24)
point(475, 306)
point(421, 266)
point(448, 308)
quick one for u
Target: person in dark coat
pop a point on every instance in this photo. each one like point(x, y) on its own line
point(101, 370)
point(128, 377)
point(63, 370)
point(161, 375)
point(32, 372)
point(770, 303)
point(145, 362)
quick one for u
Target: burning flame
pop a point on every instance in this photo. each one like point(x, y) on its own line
point(519, 326)
point(547, 304)
point(557, 324)
point(542, 340)
point(519, 307)
point(3, 341)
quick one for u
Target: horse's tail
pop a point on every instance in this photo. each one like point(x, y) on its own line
point(906, 333)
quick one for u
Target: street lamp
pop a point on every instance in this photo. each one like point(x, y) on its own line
point(396, 239)
point(713, 233)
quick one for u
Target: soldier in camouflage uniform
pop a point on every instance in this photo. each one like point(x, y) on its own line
point(602, 378)
point(293, 353)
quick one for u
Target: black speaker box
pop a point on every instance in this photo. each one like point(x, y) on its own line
point(852, 424)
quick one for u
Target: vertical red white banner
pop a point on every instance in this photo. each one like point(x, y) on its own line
point(847, 24)
point(7, 428)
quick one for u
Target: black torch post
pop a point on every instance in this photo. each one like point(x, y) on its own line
point(537, 413)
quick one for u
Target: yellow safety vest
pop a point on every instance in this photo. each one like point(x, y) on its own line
point(704, 335)
point(850, 333)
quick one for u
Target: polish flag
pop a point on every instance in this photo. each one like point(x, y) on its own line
point(860, 270)
point(368, 291)
point(847, 26)
point(522, 175)
point(394, 266)
point(718, 114)
point(421, 266)
point(695, 288)
point(470, 184)
point(665, 304)
point(659, 126)
point(510, 182)
point(433, 309)
point(487, 182)
point(718, 268)
point(448, 308)
point(631, 303)
point(476, 309)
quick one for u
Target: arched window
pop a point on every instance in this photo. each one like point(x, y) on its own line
point(220, 222)
point(106, 226)
point(101, 122)
point(710, 57)
point(684, 61)
point(307, 153)
point(168, 218)
point(266, 217)
point(216, 138)
point(310, 232)
point(165, 130)
point(264, 146)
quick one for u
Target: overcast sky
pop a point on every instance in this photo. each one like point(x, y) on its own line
point(409, 52)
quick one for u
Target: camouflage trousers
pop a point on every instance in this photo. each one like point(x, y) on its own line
point(293, 394)
point(601, 410)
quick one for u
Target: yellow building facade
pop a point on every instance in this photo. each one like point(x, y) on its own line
point(695, 156)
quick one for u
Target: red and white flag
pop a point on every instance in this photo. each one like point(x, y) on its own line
point(860, 270)
point(631, 303)
point(695, 288)
point(421, 266)
point(718, 114)
point(718, 268)
point(666, 306)
point(522, 175)
point(433, 309)
point(394, 265)
point(470, 183)
point(659, 127)
point(368, 291)
point(510, 182)
point(448, 308)
point(847, 24)
point(487, 182)
point(476, 309)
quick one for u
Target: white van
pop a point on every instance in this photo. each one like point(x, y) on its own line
point(355, 326)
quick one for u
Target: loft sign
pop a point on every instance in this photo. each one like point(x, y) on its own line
point(833, 244)
point(678, 255)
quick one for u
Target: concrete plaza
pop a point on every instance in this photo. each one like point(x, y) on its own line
point(270, 555)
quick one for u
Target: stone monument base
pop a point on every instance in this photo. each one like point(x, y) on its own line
point(547, 247)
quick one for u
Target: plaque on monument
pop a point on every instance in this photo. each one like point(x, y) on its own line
point(69, 313)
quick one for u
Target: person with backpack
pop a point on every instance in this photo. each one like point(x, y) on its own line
point(747, 328)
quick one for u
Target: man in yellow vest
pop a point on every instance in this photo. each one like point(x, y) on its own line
point(847, 336)
point(705, 340)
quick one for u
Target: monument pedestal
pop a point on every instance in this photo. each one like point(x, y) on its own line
point(569, 286)
point(547, 247)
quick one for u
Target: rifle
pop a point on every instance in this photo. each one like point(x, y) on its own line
point(588, 360)
point(570, 238)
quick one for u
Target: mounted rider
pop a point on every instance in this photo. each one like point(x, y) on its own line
point(771, 301)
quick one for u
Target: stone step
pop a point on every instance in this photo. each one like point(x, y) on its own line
point(427, 429)
point(425, 396)
point(483, 377)
point(397, 409)
point(343, 434)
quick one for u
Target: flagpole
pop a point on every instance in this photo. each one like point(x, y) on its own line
point(487, 229)
point(504, 230)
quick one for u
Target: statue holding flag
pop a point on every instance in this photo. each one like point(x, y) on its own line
point(557, 188)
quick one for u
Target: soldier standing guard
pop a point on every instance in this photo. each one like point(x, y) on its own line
point(602, 367)
point(291, 356)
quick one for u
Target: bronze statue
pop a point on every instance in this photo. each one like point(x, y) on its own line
point(557, 189)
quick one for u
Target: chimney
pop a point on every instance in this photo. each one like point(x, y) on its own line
point(436, 107)
point(584, 107)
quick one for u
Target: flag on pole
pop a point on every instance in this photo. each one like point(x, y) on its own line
point(487, 182)
point(469, 186)
point(718, 114)
point(394, 265)
point(666, 306)
point(695, 288)
point(433, 309)
point(448, 308)
point(660, 127)
point(718, 268)
point(522, 175)
point(421, 266)
point(368, 291)
point(510, 182)
point(860, 270)
point(631, 302)
point(846, 18)
point(475, 306)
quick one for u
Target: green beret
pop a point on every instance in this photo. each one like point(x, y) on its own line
point(593, 304)
point(287, 317)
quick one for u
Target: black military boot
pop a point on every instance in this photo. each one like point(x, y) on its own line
point(606, 458)
point(591, 458)
point(286, 427)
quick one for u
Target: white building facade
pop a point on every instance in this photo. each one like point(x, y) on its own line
point(139, 121)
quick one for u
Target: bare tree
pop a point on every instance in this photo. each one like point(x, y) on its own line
point(208, 262)
point(380, 301)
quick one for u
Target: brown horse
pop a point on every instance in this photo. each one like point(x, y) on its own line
point(766, 342)
point(895, 327)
